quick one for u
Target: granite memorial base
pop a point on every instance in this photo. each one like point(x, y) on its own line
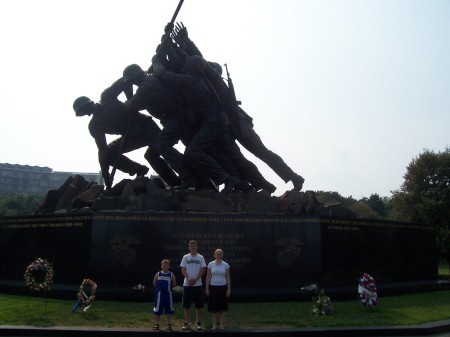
point(271, 256)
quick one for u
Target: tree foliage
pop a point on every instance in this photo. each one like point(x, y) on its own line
point(18, 204)
point(424, 196)
point(374, 207)
point(379, 204)
point(363, 210)
point(325, 197)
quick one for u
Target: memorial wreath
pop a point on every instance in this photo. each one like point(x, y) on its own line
point(367, 291)
point(84, 299)
point(39, 269)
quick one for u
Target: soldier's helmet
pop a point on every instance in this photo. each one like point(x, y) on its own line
point(216, 66)
point(80, 103)
point(131, 72)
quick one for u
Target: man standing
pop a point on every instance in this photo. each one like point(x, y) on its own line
point(192, 267)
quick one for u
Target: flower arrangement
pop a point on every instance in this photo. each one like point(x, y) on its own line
point(84, 299)
point(39, 269)
point(367, 291)
point(322, 304)
point(139, 287)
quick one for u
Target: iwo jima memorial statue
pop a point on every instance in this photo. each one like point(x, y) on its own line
point(117, 234)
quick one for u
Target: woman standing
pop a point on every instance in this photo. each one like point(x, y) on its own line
point(218, 289)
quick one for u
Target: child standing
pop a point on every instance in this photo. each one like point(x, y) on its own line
point(164, 281)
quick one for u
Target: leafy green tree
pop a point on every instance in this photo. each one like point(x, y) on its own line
point(363, 210)
point(325, 197)
point(424, 196)
point(360, 208)
point(379, 204)
point(18, 204)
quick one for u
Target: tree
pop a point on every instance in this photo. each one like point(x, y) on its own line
point(424, 196)
point(379, 204)
point(17, 204)
point(325, 197)
point(363, 210)
point(373, 207)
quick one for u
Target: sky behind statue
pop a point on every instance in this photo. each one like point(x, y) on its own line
point(346, 92)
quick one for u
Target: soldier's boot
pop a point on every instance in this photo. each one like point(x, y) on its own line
point(244, 187)
point(187, 183)
point(230, 184)
point(142, 171)
point(297, 181)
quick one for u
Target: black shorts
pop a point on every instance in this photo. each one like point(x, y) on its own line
point(218, 300)
point(193, 294)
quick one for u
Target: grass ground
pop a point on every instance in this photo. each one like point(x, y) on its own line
point(444, 270)
point(396, 310)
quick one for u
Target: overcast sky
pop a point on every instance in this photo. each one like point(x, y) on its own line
point(347, 92)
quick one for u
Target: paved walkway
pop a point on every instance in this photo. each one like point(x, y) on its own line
point(436, 329)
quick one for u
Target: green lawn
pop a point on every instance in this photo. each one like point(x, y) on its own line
point(443, 271)
point(396, 310)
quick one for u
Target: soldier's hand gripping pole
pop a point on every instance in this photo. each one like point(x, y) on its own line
point(169, 27)
point(161, 48)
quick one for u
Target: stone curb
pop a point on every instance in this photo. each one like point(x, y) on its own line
point(427, 329)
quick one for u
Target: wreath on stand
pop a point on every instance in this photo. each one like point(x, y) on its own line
point(85, 300)
point(39, 275)
point(367, 291)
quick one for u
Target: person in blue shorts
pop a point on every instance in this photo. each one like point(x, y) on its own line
point(164, 281)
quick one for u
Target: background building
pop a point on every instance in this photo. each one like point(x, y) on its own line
point(25, 179)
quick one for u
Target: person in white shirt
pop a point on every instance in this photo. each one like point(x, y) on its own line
point(192, 267)
point(218, 289)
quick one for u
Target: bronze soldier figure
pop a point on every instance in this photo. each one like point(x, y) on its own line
point(212, 128)
point(109, 116)
point(242, 123)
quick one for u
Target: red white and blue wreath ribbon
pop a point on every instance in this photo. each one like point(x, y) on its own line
point(367, 291)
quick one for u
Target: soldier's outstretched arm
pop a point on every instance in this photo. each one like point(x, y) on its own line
point(181, 37)
point(112, 93)
point(128, 90)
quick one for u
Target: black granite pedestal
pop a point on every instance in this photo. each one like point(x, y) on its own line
point(268, 254)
